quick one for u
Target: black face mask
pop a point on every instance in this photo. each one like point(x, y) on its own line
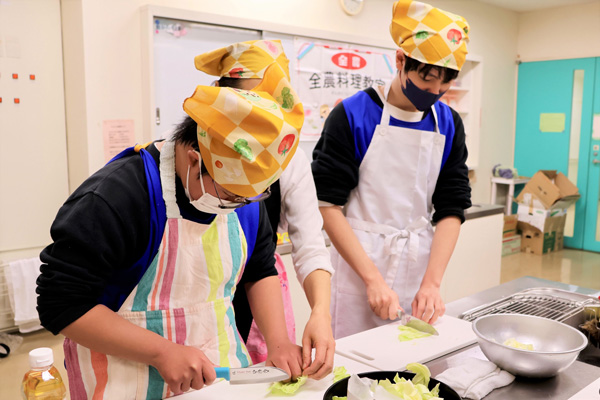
point(420, 98)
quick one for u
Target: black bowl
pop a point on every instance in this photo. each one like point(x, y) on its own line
point(340, 388)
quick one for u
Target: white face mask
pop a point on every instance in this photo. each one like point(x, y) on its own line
point(207, 203)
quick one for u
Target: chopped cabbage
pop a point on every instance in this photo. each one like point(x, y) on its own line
point(285, 388)
point(512, 342)
point(339, 373)
point(407, 333)
point(415, 389)
point(422, 374)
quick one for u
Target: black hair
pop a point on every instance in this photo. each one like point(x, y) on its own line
point(423, 69)
point(186, 133)
point(235, 83)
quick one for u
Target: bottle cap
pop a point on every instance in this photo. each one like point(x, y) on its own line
point(41, 357)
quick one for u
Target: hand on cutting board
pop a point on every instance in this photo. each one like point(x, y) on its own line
point(428, 304)
point(184, 367)
point(285, 355)
point(318, 335)
point(382, 300)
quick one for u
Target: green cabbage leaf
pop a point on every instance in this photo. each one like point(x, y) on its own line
point(287, 388)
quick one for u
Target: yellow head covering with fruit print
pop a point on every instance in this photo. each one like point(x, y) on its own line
point(247, 137)
point(244, 60)
point(430, 35)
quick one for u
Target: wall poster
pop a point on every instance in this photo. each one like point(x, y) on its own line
point(326, 74)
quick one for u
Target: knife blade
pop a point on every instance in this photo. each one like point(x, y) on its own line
point(246, 375)
point(416, 323)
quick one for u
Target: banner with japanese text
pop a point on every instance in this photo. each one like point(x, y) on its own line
point(327, 74)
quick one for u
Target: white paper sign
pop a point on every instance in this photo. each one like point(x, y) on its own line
point(327, 74)
point(118, 135)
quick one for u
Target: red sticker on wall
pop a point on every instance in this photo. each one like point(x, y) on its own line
point(349, 60)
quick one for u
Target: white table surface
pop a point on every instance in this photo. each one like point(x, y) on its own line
point(311, 390)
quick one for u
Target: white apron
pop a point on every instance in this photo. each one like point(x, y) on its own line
point(389, 211)
point(185, 296)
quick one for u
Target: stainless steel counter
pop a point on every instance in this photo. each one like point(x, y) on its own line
point(482, 210)
point(563, 386)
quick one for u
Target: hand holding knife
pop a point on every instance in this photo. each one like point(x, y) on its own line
point(416, 323)
point(251, 374)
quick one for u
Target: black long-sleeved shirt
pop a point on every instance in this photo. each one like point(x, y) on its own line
point(336, 163)
point(104, 227)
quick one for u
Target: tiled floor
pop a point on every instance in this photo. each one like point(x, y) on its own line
point(575, 267)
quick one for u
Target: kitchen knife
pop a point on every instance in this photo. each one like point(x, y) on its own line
point(416, 323)
point(251, 374)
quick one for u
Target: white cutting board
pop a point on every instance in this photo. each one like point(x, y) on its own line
point(311, 390)
point(591, 391)
point(380, 348)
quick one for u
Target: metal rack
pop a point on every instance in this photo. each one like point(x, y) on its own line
point(555, 304)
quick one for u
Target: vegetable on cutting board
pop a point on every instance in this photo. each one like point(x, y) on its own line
point(407, 333)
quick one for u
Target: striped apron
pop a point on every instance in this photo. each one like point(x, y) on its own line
point(185, 296)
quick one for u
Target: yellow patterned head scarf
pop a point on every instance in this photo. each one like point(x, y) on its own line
point(247, 137)
point(430, 35)
point(244, 60)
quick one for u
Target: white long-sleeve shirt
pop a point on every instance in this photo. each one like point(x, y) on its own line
point(301, 218)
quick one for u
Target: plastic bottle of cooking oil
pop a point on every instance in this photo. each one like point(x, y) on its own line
point(42, 381)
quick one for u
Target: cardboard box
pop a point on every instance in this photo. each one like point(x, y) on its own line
point(537, 216)
point(549, 190)
point(534, 240)
point(510, 226)
point(511, 245)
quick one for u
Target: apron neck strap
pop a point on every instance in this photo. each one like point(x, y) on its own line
point(167, 178)
point(385, 115)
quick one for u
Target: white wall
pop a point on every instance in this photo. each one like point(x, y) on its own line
point(33, 153)
point(111, 59)
point(560, 33)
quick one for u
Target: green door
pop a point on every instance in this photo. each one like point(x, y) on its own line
point(591, 236)
point(555, 107)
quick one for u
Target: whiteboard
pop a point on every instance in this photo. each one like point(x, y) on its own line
point(176, 43)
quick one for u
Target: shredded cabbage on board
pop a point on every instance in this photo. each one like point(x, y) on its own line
point(287, 388)
point(407, 333)
point(414, 389)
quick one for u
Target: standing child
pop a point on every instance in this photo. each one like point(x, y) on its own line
point(394, 158)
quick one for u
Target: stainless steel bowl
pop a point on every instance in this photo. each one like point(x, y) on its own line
point(555, 345)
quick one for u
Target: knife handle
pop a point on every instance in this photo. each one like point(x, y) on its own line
point(222, 372)
point(404, 318)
